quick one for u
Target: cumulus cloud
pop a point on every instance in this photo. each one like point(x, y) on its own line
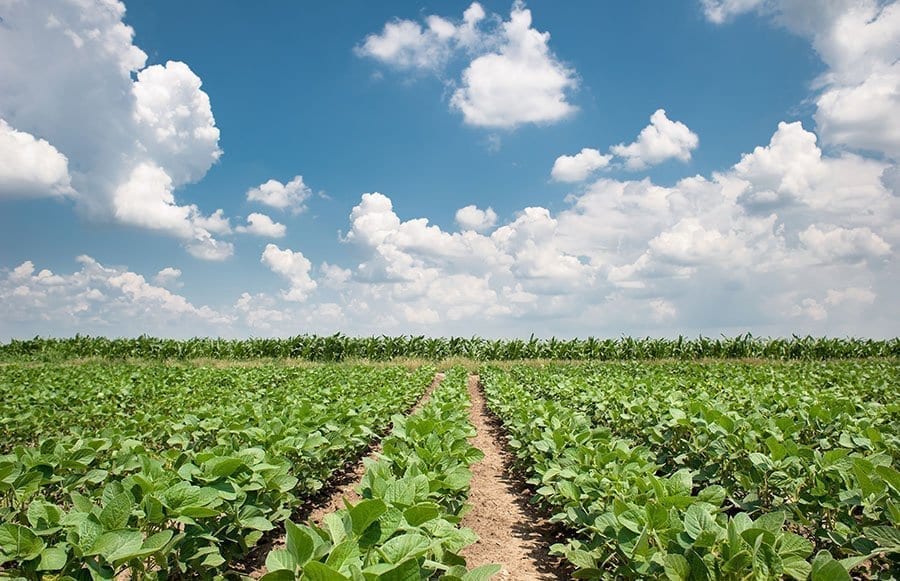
point(576, 168)
point(292, 195)
point(512, 77)
point(850, 295)
point(405, 44)
point(262, 225)
point(72, 75)
point(522, 82)
point(31, 167)
point(832, 243)
point(333, 276)
point(662, 140)
point(859, 42)
point(294, 267)
point(168, 277)
point(473, 218)
point(103, 300)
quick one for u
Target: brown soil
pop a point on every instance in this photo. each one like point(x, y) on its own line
point(511, 533)
point(342, 485)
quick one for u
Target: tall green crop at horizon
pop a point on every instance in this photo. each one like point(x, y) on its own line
point(384, 348)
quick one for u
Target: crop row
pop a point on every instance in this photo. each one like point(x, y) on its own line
point(712, 471)
point(413, 496)
point(165, 471)
point(340, 348)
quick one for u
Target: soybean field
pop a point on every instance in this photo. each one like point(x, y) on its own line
point(726, 459)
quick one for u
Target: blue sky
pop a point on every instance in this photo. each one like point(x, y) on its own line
point(737, 168)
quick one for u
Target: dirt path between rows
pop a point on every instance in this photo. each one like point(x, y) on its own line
point(341, 487)
point(510, 533)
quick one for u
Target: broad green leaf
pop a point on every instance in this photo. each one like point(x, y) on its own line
point(258, 523)
point(420, 513)
point(316, 571)
point(404, 547)
point(825, 568)
point(772, 521)
point(52, 559)
point(343, 555)
point(114, 545)
point(222, 466)
point(365, 513)
point(886, 537)
point(116, 513)
point(677, 567)
point(18, 543)
point(482, 573)
point(299, 543)
point(281, 559)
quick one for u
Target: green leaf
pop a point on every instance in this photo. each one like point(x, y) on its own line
point(889, 475)
point(420, 513)
point(697, 520)
point(18, 543)
point(117, 511)
point(886, 537)
point(825, 568)
point(404, 547)
point(797, 568)
point(257, 523)
point(279, 575)
point(52, 559)
point(221, 466)
point(772, 521)
point(342, 554)
point(299, 543)
point(400, 492)
point(408, 570)
point(316, 571)
point(581, 559)
point(676, 567)
point(117, 544)
point(281, 559)
point(365, 513)
point(482, 573)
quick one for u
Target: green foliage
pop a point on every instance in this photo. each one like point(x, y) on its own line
point(340, 348)
point(169, 471)
point(406, 526)
point(712, 471)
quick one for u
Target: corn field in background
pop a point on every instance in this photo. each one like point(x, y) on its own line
point(341, 347)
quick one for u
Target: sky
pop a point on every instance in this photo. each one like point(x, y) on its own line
point(644, 168)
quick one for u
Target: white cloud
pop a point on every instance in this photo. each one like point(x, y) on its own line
point(473, 218)
point(405, 44)
point(513, 78)
point(168, 277)
point(522, 82)
point(103, 300)
point(576, 168)
point(832, 243)
point(292, 195)
point(333, 276)
point(810, 308)
point(262, 225)
point(31, 167)
point(859, 42)
point(663, 310)
point(294, 267)
point(662, 140)
point(68, 72)
point(859, 295)
point(175, 119)
point(719, 11)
